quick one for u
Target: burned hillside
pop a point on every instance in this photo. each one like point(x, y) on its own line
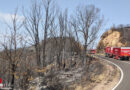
point(47, 45)
point(115, 37)
point(60, 46)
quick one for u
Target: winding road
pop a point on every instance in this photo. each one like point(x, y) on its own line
point(124, 66)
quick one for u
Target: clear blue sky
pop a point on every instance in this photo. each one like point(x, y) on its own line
point(115, 11)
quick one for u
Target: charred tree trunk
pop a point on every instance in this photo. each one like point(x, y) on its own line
point(13, 76)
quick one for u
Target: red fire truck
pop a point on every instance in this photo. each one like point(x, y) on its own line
point(121, 53)
point(106, 51)
point(109, 52)
point(92, 51)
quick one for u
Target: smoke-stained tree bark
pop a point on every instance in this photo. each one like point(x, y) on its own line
point(32, 26)
point(48, 23)
point(89, 23)
point(63, 27)
point(75, 33)
point(14, 46)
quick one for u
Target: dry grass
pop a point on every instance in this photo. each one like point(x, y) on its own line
point(105, 81)
point(45, 69)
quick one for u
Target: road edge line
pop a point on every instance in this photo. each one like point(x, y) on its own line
point(122, 74)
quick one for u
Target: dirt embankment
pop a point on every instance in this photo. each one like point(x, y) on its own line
point(100, 75)
point(108, 79)
point(115, 37)
point(103, 81)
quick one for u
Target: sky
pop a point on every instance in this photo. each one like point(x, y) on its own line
point(115, 12)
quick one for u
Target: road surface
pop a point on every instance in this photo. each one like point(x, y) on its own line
point(125, 67)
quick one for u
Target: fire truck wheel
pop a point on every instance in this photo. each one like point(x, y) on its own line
point(128, 58)
point(120, 58)
point(105, 55)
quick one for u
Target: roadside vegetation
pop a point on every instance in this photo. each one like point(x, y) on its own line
point(48, 48)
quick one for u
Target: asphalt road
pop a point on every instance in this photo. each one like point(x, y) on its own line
point(125, 66)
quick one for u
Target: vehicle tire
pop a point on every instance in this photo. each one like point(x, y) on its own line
point(120, 58)
point(112, 56)
point(105, 55)
point(128, 58)
point(123, 58)
point(109, 55)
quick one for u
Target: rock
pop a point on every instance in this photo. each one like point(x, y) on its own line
point(115, 37)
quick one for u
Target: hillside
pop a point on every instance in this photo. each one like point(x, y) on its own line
point(115, 37)
point(67, 46)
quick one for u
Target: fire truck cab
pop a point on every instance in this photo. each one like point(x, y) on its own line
point(109, 52)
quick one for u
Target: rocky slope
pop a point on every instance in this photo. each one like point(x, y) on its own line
point(115, 37)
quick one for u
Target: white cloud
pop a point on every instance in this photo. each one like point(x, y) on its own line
point(7, 17)
point(21, 39)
